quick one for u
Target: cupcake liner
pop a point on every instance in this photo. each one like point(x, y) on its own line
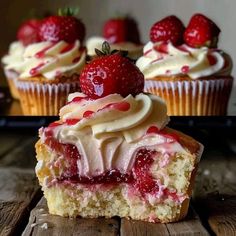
point(195, 97)
point(44, 98)
point(12, 76)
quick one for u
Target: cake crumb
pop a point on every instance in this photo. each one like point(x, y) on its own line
point(206, 172)
point(44, 226)
point(43, 214)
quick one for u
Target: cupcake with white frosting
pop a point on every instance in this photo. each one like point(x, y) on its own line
point(26, 34)
point(50, 69)
point(192, 76)
point(121, 34)
point(14, 56)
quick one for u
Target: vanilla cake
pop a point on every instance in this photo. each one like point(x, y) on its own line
point(115, 156)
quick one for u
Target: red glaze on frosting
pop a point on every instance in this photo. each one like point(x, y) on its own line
point(185, 69)
point(34, 71)
point(152, 129)
point(67, 48)
point(163, 47)
point(88, 114)
point(211, 59)
point(120, 106)
point(76, 60)
point(41, 53)
point(72, 121)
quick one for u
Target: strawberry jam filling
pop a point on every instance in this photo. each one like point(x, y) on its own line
point(139, 177)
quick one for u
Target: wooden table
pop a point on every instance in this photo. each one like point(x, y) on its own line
point(23, 210)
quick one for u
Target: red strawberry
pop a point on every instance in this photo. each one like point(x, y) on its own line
point(201, 31)
point(62, 27)
point(110, 74)
point(118, 30)
point(168, 29)
point(28, 32)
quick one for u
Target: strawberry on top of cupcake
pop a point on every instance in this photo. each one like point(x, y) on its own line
point(121, 33)
point(176, 53)
point(55, 61)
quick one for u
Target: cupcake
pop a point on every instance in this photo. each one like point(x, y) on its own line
point(27, 34)
point(50, 68)
point(184, 67)
point(111, 154)
point(121, 34)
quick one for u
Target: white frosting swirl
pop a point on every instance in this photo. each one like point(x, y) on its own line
point(14, 56)
point(51, 60)
point(164, 59)
point(115, 129)
point(134, 50)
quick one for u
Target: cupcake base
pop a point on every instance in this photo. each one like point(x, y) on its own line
point(44, 98)
point(187, 97)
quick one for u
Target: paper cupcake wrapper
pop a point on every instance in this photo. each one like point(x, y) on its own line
point(12, 76)
point(44, 99)
point(193, 98)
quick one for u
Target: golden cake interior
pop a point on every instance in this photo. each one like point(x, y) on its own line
point(73, 199)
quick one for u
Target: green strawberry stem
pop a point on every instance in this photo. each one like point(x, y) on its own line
point(106, 50)
point(68, 11)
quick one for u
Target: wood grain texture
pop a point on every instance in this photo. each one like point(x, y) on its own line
point(41, 223)
point(215, 191)
point(222, 214)
point(22, 155)
point(18, 190)
point(191, 225)
point(140, 228)
point(7, 142)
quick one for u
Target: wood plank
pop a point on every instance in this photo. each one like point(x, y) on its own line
point(23, 154)
point(41, 223)
point(140, 228)
point(7, 142)
point(191, 225)
point(18, 191)
point(215, 192)
point(220, 213)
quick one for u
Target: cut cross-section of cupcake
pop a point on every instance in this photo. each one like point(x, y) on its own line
point(116, 162)
point(111, 154)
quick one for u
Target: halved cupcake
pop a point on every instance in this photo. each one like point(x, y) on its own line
point(111, 154)
point(193, 78)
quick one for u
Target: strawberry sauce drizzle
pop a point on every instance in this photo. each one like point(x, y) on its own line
point(72, 121)
point(35, 70)
point(67, 48)
point(87, 114)
point(163, 48)
point(185, 69)
point(120, 106)
point(75, 60)
point(41, 53)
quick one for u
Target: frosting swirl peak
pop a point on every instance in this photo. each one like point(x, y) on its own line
point(164, 59)
point(51, 59)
